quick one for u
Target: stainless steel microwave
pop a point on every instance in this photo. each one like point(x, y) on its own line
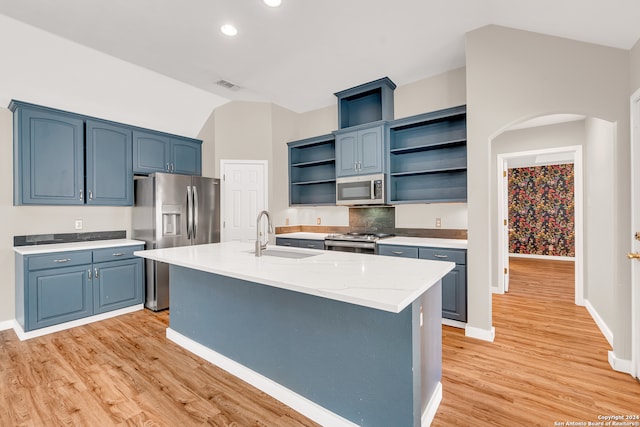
point(360, 190)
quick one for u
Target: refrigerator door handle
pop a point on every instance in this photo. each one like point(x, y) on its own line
point(189, 212)
point(194, 225)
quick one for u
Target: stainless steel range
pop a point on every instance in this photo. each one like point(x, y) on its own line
point(364, 243)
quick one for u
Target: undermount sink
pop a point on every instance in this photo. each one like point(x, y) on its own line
point(287, 254)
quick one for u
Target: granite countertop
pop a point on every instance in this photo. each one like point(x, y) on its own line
point(75, 246)
point(359, 279)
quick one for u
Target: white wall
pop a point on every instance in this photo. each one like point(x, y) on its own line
point(600, 230)
point(515, 75)
point(44, 69)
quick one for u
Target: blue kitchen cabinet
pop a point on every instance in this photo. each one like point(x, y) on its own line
point(359, 150)
point(109, 179)
point(59, 287)
point(312, 171)
point(48, 156)
point(117, 278)
point(454, 284)
point(427, 157)
point(158, 152)
point(366, 103)
point(300, 243)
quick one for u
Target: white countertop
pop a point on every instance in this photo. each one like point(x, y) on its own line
point(384, 283)
point(75, 246)
point(303, 235)
point(425, 241)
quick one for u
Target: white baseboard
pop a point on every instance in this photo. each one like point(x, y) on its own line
point(290, 398)
point(22, 335)
point(547, 257)
point(620, 365)
point(5, 325)
point(454, 323)
point(481, 334)
point(600, 322)
point(432, 407)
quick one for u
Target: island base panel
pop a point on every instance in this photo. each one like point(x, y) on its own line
point(368, 366)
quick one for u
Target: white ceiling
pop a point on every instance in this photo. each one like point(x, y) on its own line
point(299, 54)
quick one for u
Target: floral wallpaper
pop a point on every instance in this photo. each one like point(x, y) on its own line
point(541, 210)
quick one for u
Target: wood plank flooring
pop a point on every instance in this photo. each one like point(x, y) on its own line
point(548, 364)
point(124, 372)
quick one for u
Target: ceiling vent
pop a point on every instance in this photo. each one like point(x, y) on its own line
point(227, 85)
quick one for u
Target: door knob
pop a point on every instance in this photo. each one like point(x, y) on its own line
point(633, 255)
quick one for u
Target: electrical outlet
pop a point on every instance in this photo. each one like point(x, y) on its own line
point(286, 221)
point(318, 221)
point(438, 222)
point(78, 224)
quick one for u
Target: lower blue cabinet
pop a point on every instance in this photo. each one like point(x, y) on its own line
point(58, 295)
point(454, 284)
point(60, 287)
point(112, 284)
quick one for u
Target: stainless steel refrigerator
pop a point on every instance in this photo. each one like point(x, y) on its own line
point(173, 210)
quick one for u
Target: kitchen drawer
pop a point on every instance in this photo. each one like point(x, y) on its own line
point(311, 244)
point(454, 255)
point(114, 254)
point(281, 241)
point(59, 259)
point(398, 251)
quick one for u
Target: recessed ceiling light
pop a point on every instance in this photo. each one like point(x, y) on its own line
point(272, 3)
point(229, 30)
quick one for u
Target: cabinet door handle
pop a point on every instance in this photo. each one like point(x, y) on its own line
point(311, 246)
point(168, 169)
point(173, 168)
point(89, 274)
point(81, 195)
point(440, 256)
point(397, 252)
point(95, 273)
point(118, 254)
point(90, 195)
point(62, 260)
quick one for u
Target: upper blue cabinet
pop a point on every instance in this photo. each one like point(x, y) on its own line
point(360, 150)
point(157, 152)
point(48, 155)
point(109, 164)
point(367, 103)
point(62, 158)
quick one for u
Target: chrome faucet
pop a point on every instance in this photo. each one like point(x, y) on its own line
point(259, 245)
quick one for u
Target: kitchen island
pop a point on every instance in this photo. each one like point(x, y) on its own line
point(346, 339)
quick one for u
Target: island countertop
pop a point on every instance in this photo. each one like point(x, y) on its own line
point(384, 283)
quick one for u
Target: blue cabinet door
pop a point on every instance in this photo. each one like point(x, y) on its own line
point(58, 295)
point(109, 164)
point(50, 158)
point(346, 154)
point(186, 155)
point(370, 150)
point(151, 152)
point(117, 284)
point(454, 294)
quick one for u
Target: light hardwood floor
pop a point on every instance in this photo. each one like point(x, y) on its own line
point(548, 364)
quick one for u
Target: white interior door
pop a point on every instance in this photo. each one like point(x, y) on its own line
point(243, 196)
point(635, 228)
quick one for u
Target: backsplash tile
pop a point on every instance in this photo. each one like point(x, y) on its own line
point(47, 239)
point(372, 219)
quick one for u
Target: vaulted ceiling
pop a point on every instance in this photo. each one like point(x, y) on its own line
point(299, 54)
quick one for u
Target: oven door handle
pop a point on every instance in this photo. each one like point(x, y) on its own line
point(343, 244)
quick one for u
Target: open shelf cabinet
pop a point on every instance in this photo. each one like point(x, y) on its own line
point(367, 103)
point(427, 157)
point(312, 171)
